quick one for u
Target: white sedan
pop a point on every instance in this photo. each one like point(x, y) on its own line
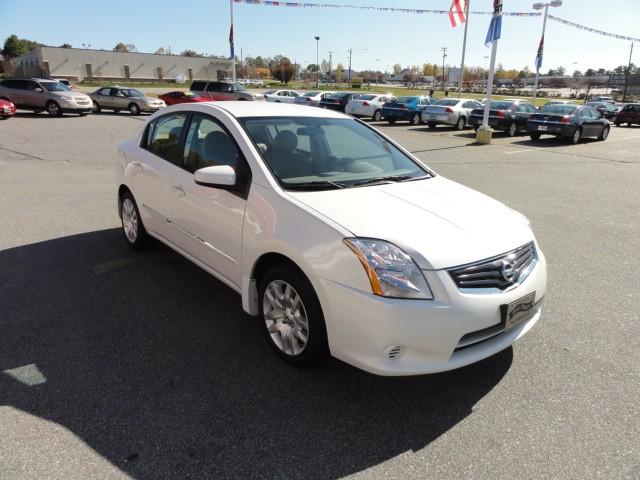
point(338, 240)
point(449, 111)
point(281, 96)
point(368, 105)
point(313, 98)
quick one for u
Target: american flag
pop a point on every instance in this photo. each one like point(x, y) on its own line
point(539, 54)
point(495, 27)
point(457, 12)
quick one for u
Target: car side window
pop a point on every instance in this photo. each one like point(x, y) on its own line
point(531, 108)
point(213, 87)
point(209, 144)
point(595, 113)
point(164, 137)
point(584, 113)
point(522, 108)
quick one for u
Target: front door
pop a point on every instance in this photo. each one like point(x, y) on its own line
point(208, 221)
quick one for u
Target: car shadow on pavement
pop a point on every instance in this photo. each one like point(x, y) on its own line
point(552, 141)
point(151, 362)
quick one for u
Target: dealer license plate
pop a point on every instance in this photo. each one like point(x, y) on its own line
point(518, 311)
point(542, 128)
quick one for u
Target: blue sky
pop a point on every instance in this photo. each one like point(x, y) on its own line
point(203, 25)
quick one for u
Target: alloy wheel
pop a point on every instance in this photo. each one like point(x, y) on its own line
point(285, 317)
point(129, 220)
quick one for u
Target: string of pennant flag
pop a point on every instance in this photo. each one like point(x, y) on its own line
point(420, 11)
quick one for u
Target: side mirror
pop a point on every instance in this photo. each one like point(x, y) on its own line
point(37, 89)
point(216, 176)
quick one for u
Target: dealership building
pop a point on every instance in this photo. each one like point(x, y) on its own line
point(80, 64)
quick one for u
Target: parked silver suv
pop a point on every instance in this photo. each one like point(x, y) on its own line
point(38, 95)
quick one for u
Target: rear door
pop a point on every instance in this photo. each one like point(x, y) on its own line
point(14, 91)
point(522, 115)
point(586, 122)
point(159, 162)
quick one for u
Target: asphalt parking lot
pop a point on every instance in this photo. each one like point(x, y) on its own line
point(118, 364)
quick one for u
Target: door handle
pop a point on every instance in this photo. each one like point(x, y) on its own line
point(179, 190)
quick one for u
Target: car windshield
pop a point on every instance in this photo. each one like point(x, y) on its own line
point(132, 92)
point(558, 109)
point(238, 87)
point(596, 104)
point(500, 105)
point(55, 86)
point(310, 94)
point(314, 153)
point(407, 99)
point(447, 102)
point(269, 92)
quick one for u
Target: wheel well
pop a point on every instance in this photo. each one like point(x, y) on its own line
point(270, 260)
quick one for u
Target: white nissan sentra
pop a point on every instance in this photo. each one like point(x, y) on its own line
point(339, 240)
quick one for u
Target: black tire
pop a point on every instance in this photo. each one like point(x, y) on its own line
point(603, 136)
point(316, 348)
point(415, 119)
point(134, 109)
point(576, 136)
point(461, 123)
point(618, 123)
point(96, 107)
point(377, 116)
point(37, 111)
point(391, 121)
point(512, 131)
point(116, 110)
point(431, 125)
point(141, 238)
point(535, 136)
point(83, 114)
point(53, 109)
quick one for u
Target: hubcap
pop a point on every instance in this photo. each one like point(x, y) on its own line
point(53, 108)
point(285, 317)
point(576, 136)
point(605, 133)
point(129, 220)
point(461, 124)
point(512, 130)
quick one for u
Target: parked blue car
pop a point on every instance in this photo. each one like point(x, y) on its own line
point(406, 108)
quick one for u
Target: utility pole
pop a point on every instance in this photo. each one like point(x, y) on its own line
point(350, 51)
point(231, 40)
point(444, 55)
point(626, 77)
point(317, 62)
point(241, 63)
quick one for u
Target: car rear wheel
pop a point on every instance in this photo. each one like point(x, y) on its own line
point(53, 109)
point(377, 116)
point(605, 133)
point(576, 137)
point(134, 232)
point(292, 317)
point(535, 136)
point(617, 123)
point(512, 130)
point(134, 109)
point(461, 123)
point(431, 125)
point(415, 119)
point(391, 121)
point(96, 107)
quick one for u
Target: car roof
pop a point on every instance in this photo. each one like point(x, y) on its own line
point(242, 109)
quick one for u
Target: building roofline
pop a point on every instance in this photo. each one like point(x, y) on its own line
point(133, 53)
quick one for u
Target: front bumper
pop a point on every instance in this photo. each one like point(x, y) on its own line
point(364, 329)
point(150, 108)
point(66, 109)
point(556, 129)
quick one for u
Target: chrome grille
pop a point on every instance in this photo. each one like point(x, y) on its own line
point(502, 271)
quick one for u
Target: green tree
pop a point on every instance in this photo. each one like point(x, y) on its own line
point(312, 67)
point(189, 53)
point(397, 68)
point(14, 47)
point(66, 45)
point(121, 47)
point(283, 70)
point(339, 72)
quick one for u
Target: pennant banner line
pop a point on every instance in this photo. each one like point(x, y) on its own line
point(274, 3)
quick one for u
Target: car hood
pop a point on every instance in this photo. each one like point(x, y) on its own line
point(440, 223)
point(70, 94)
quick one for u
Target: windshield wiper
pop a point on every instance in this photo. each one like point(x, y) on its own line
point(387, 179)
point(316, 185)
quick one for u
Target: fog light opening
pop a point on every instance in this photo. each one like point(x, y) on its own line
point(394, 352)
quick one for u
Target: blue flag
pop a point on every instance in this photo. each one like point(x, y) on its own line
point(495, 27)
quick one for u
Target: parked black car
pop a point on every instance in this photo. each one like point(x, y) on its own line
point(337, 101)
point(508, 115)
point(569, 121)
point(606, 109)
point(629, 114)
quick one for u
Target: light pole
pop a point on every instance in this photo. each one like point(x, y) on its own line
point(444, 55)
point(486, 77)
point(540, 6)
point(377, 70)
point(317, 60)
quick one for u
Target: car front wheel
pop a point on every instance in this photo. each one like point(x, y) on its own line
point(576, 137)
point(53, 109)
point(603, 136)
point(415, 119)
point(512, 130)
point(292, 317)
point(377, 116)
point(134, 109)
point(461, 123)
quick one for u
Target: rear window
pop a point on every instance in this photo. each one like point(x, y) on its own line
point(310, 94)
point(448, 102)
point(198, 86)
point(407, 99)
point(500, 105)
point(365, 97)
point(558, 109)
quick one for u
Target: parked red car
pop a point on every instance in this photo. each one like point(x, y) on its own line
point(629, 114)
point(173, 98)
point(7, 109)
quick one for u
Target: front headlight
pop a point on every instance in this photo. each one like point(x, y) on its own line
point(67, 100)
point(391, 272)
